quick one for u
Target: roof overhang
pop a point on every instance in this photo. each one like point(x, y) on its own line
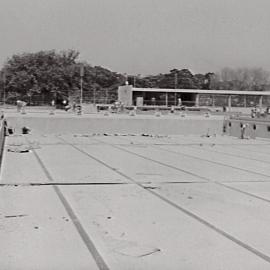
point(200, 91)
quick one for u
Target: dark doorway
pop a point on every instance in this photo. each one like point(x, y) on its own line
point(188, 99)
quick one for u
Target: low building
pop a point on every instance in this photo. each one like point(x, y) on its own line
point(131, 96)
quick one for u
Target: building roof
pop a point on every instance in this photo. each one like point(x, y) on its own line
point(200, 91)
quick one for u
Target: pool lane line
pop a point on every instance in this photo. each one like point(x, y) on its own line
point(190, 156)
point(250, 150)
point(198, 176)
point(182, 209)
point(212, 162)
point(83, 234)
point(229, 154)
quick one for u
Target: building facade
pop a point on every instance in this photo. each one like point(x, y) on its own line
point(131, 96)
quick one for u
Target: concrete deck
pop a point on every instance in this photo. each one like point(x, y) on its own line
point(78, 201)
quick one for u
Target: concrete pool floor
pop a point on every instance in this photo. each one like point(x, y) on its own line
point(78, 201)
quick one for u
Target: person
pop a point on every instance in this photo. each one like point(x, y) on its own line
point(23, 106)
point(74, 106)
point(253, 113)
point(243, 131)
point(67, 107)
point(122, 107)
point(19, 105)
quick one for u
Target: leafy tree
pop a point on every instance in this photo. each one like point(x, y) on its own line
point(46, 75)
point(243, 79)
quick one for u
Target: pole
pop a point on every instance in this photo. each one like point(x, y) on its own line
point(81, 95)
point(175, 80)
point(4, 88)
point(81, 84)
point(106, 92)
point(95, 95)
point(261, 103)
point(230, 103)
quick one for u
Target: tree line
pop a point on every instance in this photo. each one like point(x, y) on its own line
point(39, 78)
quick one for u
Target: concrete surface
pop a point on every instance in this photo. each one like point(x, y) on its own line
point(83, 201)
point(66, 123)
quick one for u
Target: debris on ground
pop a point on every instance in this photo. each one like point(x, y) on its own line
point(10, 131)
point(22, 148)
point(122, 134)
point(15, 216)
point(151, 187)
point(19, 149)
point(26, 130)
point(138, 251)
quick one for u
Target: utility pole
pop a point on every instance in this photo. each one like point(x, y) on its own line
point(175, 80)
point(81, 84)
point(95, 86)
point(95, 95)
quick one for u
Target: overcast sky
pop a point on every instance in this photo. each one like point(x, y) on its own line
point(142, 36)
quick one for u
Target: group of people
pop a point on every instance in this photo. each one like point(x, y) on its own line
point(255, 112)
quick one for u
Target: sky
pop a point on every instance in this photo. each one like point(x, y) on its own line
point(142, 36)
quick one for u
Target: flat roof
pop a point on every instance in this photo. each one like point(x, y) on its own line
point(200, 91)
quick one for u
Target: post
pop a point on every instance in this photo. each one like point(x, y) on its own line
point(81, 94)
point(197, 100)
point(95, 95)
point(245, 101)
point(166, 99)
point(260, 103)
point(106, 98)
point(230, 102)
point(81, 84)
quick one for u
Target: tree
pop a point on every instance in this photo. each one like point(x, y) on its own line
point(244, 79)
point(40, 77)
